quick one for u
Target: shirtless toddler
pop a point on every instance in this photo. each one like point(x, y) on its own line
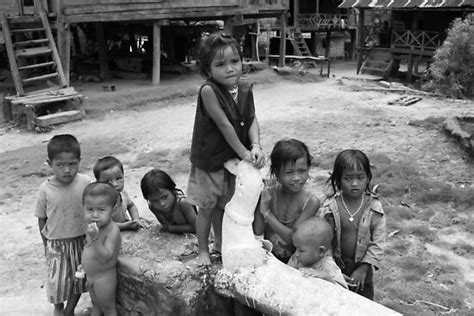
point(103, 240)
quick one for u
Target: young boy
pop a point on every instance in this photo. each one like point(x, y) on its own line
point(99, 258)
point(110, 170)
point(313, 256)
point(61, 222)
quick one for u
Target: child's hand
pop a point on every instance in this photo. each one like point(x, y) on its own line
point(359, 275)
point(265, 202)
point(248, 156)
point(93, 231)
point(350, 282)
point(133, 225)
point(258, 156)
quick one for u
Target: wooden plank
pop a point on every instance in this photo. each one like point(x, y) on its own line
point(35, 51)
point(42, 77)
point(58, 118)
point(153, 15)
point(51, 99)
point(11, 56)
point(56, 58)
point(133, 7)
point(30, 42)
point(64, 46)
point(50, 63)
point(42, 95)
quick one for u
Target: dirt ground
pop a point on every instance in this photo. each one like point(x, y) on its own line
point(426, 179)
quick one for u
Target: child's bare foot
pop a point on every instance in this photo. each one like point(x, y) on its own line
point(203, 259)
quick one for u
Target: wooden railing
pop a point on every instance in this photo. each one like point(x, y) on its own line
point(420, 40)
point(322, 21)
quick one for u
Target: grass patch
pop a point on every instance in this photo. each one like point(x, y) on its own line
point(397, 213)
point(430, 122)
point(414, 267)
point(422, 231)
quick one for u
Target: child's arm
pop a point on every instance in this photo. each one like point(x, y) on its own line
point(309, 210)
point(256, 150)
point(109, 247)
point(133, 211)
point(189, 213)
point(212, 106)
point(258, 221)
point(41, 223)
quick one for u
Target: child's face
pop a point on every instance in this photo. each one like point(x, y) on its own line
point(65, 166)
point(162, 200)
point(307, 253)
point(98, 209)
point(114, 177)
point(226, 67)
point(354, 182)
point(293, 175)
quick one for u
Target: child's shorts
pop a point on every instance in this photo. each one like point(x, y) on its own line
point(207, 189)
point(63, 256)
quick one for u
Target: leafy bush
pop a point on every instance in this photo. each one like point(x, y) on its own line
point(452, 70)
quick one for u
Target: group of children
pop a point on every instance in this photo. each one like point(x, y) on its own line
point(80, 220)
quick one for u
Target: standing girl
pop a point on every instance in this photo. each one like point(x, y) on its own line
point(168, 203)
point(287, 203)
point(225, 127)
point(357, 218)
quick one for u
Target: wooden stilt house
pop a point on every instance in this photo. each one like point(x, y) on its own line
point(391, 32)
point(104, 15)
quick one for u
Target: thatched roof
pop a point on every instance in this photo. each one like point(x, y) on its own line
point(406, 4)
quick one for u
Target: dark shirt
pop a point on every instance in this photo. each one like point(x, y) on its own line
point(209, 149)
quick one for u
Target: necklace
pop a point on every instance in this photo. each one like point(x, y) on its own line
point(352, 215)
point(234, 92)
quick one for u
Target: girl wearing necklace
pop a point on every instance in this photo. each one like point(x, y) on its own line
point(357, 217)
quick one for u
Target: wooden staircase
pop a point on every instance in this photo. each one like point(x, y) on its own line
point(34, 59)
point(377, 63)
point(299, 45)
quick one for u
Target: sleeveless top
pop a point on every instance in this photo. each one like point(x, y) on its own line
point(209, 149)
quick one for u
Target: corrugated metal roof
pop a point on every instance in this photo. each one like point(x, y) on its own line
point(394, 4)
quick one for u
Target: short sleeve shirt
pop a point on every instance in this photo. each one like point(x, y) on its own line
point(62, 206)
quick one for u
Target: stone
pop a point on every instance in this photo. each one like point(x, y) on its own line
point(158, 275)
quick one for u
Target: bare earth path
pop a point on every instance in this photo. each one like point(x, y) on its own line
point(328, 115)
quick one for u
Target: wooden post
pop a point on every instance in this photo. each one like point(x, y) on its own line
point(254, 40)
point(103, 60)
point(64, 46)
point(281, 60)
point(360, 38)
point(410, 67)
point(229, 26)
point(156, 53)
point(327, 52)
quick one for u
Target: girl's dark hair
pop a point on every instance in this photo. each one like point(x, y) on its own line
point(105, 163)
point(349, 159)
point(102, 189)
point(212, 45)
point(64, 143)
point(155, 180)
point(288, 150)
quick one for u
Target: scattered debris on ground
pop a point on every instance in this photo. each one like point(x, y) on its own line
point(405, 100)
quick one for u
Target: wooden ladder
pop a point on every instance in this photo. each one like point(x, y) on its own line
point(299, 45)
point(32, 53)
